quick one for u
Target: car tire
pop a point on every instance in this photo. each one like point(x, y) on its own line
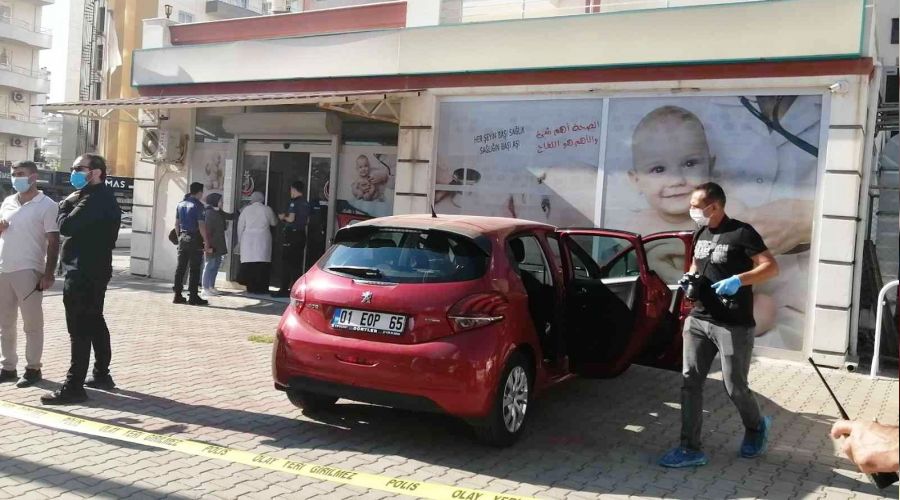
point(310, 401)
point(503, 426)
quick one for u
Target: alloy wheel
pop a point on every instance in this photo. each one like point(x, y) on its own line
point(515, 399)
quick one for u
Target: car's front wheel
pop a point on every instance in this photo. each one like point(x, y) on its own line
point(504, 424)
point(310, 401)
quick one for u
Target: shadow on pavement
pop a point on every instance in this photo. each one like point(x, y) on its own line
point(584, 436)
point(88, 485)
point(252, 304)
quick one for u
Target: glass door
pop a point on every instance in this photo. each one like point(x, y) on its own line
point(254, 176)
point(271, 168)
point(318, 193)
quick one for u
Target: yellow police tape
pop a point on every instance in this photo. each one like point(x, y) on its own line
point(372, 481)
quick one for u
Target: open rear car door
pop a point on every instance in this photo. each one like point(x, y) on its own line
point(669, 255)
point(615, 304)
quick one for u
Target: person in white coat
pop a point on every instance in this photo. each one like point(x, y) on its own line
point(255, 238)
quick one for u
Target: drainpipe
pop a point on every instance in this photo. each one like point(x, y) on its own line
point(864, 201)
point(156, 184)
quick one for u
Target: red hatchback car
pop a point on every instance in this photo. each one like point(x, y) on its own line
point(474, 316)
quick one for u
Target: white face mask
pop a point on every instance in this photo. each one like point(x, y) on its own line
point(699, 218)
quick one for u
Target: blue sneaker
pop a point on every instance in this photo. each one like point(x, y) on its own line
point(679, 457)
point(756, 442)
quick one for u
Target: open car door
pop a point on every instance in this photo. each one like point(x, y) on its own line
point(669, 255)
point(615, 303)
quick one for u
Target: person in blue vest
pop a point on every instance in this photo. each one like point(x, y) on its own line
point(193, 243)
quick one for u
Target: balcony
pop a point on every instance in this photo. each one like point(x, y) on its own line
point(232, 9)
point(17, 77)
point(21, 125)
point(23, 32)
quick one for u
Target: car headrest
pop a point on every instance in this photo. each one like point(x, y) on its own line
point(518, 249)
point(382, 243)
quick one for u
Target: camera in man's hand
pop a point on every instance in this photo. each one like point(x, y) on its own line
point(697, 286)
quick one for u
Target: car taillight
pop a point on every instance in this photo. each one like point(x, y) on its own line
point(477, 310)
point(298, 296)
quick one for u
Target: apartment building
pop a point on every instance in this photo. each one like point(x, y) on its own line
point(23, 84)
point(102, 36)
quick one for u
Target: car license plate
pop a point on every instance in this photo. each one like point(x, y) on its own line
point(368, 321)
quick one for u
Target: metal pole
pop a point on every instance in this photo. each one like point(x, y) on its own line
point(879, 316)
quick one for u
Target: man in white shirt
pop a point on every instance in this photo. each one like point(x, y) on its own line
point(29, 247)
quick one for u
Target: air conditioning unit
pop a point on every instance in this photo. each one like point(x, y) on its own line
point(150, 144)
point(18, 97)
point(172, 146)
point(163, 146)
point(17, 142)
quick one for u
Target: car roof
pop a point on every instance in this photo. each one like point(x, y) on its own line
point(471, 226)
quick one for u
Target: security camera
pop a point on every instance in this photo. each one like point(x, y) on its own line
point(286, 145)
point(839, 87)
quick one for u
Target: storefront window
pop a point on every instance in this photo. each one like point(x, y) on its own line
point(542, 160)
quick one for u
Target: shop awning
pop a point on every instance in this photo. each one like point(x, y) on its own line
point(378, 105)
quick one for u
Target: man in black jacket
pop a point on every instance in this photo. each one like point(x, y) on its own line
point(89, 219)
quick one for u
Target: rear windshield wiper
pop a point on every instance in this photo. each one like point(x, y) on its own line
point(363, 272)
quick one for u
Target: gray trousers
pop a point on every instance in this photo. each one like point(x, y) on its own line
point(702, 340)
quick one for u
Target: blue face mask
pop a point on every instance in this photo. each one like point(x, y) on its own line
point(21, 184)
point(78, 180)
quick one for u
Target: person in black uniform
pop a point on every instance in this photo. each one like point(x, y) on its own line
point(193, 243)
point(89, 219)
point(294, 238)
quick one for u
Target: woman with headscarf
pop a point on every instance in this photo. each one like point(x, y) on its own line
point(255, 239)
point(216, 223)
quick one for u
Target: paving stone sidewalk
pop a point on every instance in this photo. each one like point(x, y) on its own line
point(192, 373)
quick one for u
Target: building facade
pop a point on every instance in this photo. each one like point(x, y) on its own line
point(553, 115)
point(102, 36)
point(23, 83)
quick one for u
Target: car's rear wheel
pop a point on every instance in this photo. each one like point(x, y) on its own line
point(504, 424)
point(311, 401)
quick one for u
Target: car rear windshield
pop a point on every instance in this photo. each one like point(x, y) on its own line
point(406, 256)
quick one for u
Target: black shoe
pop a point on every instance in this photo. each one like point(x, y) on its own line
point(104, 383)
point(8, 376)
point(65, 395)
point(179, 299)
point(30, 378)
point(195, 300)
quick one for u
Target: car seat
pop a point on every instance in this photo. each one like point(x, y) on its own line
point(540, 298)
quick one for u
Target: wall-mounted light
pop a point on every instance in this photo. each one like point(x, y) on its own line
point(168, 11)
point(839, 87)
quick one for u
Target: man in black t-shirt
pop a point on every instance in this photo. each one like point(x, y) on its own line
point(731, 257)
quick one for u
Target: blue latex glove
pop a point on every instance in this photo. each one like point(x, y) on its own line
point(728, 286)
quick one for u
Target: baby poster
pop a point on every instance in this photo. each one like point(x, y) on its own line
point(366, 180)
point(540, 159)
point(529, 159)
point(208, 164)
point(763, 150)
